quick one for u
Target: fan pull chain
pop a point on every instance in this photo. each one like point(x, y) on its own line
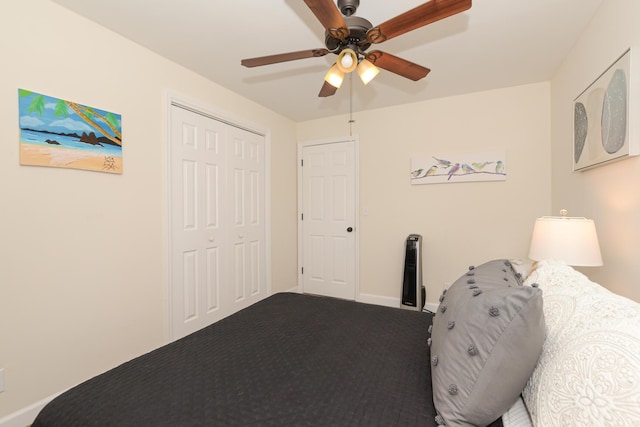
point(351, 121)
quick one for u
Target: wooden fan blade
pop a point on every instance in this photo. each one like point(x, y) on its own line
point(417, 17)
point(330, 17)
point(397, 65)
point(327, 90)
point(283, 57)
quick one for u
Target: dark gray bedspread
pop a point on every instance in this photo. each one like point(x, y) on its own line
point(289, 360)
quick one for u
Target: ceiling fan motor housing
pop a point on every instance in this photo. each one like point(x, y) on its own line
point(357, 38)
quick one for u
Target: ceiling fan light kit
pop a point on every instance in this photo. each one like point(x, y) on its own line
point(349, 37)
point(347, 62)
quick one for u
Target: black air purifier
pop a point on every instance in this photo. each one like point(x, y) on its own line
point(413, 293)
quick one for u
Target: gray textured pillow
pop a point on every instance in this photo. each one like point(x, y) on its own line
point(486, 338)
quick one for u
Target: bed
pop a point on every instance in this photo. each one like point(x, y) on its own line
point(492, 354)
point(288, 360)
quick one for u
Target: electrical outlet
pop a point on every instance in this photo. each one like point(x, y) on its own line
point(1, 380)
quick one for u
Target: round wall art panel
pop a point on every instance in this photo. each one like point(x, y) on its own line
point(614, 113)
point(580, 126)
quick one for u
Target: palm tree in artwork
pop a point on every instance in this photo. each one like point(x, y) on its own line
point(90, 116)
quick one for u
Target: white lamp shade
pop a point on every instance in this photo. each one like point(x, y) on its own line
point(568, 239)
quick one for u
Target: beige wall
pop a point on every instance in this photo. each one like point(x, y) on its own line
point(82, 284)
point(461, 223)
point(609, 194)
point(81, 279)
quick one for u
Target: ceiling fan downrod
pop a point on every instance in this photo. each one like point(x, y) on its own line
point(348, 7)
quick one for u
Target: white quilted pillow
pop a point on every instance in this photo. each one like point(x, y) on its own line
point(589, 371)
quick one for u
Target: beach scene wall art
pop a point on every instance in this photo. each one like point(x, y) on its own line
point(59, 133)
point(450, 168)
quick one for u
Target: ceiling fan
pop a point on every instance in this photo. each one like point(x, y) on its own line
point(349, 37)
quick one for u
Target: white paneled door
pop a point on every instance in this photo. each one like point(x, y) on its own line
point(328, 219)
point(246, 223)
point(217, 230)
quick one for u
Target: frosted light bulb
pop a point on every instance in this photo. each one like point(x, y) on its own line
point(347, 61)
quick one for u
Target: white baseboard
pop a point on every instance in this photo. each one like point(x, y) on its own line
point(25, 416)
point(391, 302)
point(379, 300)
point(431, 306)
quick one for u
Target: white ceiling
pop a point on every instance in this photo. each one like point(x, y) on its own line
point(496, 43)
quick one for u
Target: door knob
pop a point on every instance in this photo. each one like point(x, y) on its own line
point(350, 229)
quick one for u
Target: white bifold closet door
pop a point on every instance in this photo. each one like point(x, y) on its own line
point(217, 236)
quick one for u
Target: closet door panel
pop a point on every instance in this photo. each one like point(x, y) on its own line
point(246, 165)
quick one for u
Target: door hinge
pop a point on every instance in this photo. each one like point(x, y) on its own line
point(301, 217)
point(302, 270)
point(301, 162)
